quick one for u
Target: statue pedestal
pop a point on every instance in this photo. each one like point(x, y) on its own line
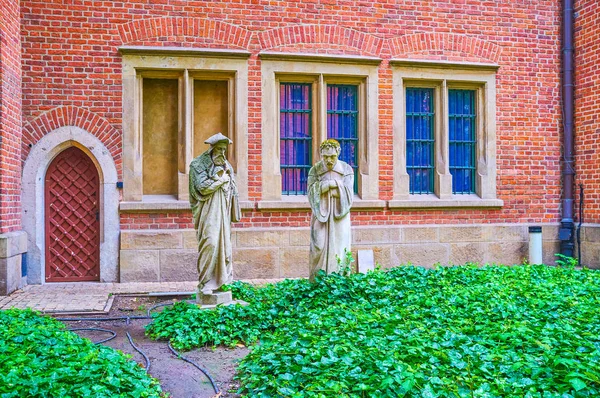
point(214, 298)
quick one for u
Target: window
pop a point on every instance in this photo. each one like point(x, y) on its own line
point(174, 100)
point(296, 141)
point(444, 134)
point(160, 119)
point(342, 123)
point(419, 139)
point(461, 128)
point(306, 101)
point(163, 124)
point(295, 120)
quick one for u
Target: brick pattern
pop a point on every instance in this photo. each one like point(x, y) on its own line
point(70, 59)
point(156, 221)
point(186, 30)
point(445, 46)
point(78, 117)
point(10, 116)
point(587, 106)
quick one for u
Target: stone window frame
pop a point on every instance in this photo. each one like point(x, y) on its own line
point(187, 64)
point(319, 70)
point(442, 76)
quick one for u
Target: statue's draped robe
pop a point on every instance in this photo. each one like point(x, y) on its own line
point(213, 210)
point(330, 222)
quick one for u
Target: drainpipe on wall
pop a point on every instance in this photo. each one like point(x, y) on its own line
point(567, 227)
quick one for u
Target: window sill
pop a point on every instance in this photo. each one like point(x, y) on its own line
point(300, 202)
point(433, 202)
point(160, 203)
point(296, 202)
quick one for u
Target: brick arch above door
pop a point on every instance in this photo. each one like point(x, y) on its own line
point(34, 171)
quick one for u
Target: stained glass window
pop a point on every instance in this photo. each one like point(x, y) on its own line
point(462, 133)
point(295, 115)
point(342, 123)
point(420, 139)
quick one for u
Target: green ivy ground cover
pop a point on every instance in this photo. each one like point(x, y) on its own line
point(39, 358)
point(523, 331)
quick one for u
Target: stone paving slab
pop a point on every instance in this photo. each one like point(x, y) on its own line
point(72, 297)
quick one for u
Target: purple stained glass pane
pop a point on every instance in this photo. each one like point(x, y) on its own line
point(295, 115)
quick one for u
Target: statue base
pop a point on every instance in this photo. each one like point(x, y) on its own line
point(213, 298)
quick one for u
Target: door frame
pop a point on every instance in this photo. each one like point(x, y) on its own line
point(33, 189)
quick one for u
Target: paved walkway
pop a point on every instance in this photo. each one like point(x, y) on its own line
point(90, 297)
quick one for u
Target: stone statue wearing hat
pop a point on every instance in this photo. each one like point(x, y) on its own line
point(214, 201)
point(330, 193)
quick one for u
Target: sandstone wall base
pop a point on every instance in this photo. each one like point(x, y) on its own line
point(12, 247)
point(266, 253)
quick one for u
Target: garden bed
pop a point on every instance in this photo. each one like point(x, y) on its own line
point(526, 331)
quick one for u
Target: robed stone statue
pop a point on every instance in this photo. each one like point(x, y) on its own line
point(214, 201)
point(330, 193)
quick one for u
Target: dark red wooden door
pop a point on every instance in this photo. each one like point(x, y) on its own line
point(72, 214)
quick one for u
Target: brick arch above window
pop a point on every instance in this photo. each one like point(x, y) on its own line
point(444, 44)
point(290, 36)
point(73, 116)
point(182, 27)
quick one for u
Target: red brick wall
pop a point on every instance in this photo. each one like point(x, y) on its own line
point(10, 117)
point(70, 60)
point(587, 106)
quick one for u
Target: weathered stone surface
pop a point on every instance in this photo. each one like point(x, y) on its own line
point(590, 255)
point(250, 263)
point(420, 234)
point(507, 253)
point(214, 298)
point(10, 274)
point(178, 265)
point(13, 243)
point(151, 239)
point(461, 234)
point(294, 262)
point(139, 266)
point(189, 239)
point(300, 237)
point(505, 233)
point(591, 234)
point(550, 232)
point(426, 254)
point(366, 235)
point(549, 250)
point(462, 253)
point(257, 238)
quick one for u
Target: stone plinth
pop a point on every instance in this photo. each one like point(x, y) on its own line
point(12, 247)
point(214, 298)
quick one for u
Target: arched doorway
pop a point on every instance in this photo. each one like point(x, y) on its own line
point(72, 214)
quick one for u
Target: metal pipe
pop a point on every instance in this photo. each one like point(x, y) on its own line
point(566, 232)
point(579, 225)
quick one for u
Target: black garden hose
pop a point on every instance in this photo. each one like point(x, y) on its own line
point(200, 368)
point(140, 351)
point(112, 332)
point(127, 320)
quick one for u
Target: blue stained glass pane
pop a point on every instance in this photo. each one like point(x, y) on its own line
point(419, 139)
point(462, 140)
point(342, 123)
point(295, 115)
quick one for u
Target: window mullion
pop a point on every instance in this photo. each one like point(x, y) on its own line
point(321, 119)
point(444, 179)
point(186, 135)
